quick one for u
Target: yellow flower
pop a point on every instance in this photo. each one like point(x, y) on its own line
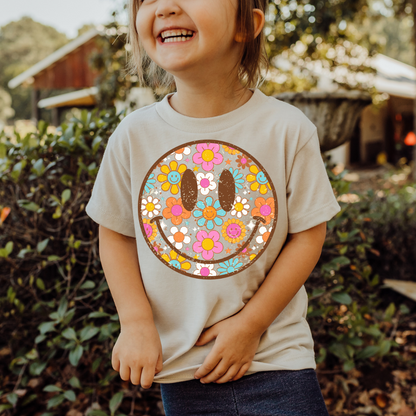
point(172, 177)
point(233, 230)
point(176, 261)
point(150, 229)
point(230, 150)
point(260, 182)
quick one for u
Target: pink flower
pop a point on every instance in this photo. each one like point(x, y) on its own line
point(207, 155)
point(207, 244)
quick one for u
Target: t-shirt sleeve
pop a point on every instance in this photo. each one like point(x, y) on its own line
point(310, 198)
point(110, 204)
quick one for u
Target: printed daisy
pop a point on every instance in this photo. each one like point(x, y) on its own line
point(207, 244)
point(233, 231)
point(209, 213)
point(265, 234)
point(240, 207)
point(150, 207)
point(264, 208)
point(229, 266)
point(205, 270)
point(243, 161)
point(180, 153)
point(230, 150)
point(205, 183)
point(260, 182)
point(177, 261)
point(179, 237)
point(175, 211)
point(150, 229)
point(208, 155)
point(171, 176)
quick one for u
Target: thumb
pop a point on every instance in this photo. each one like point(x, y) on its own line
point(159, 364)
point(207, 336)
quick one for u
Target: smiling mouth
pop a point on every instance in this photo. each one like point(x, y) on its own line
point(176, 35)
point(242, 248)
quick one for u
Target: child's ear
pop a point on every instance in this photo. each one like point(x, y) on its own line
point(258, 19)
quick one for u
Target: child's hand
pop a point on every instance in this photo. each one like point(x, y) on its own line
point(137, 355)
point(233, 351)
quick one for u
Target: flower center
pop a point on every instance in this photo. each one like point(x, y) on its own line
point(176, 210)
point(239, 206)
point(265, 210)
point(234, 230)
point(175, 264)
point(209, 213)
point(204, 183)
point(150, 206)
point(179, 237)
point(208, 155)
point(174, 177)
point(207, 244)
point(204, 271)
point(261, 178)
point(243, 160)
point(148, 230)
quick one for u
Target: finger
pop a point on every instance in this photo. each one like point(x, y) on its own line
point(210, 362)
point(135, 375)
point(217, 372)
point(242, 371)
point(115, 362)
point(159, 364)
point(207, 336)
point(148, 373)
point(230, 374)
point(124, 372)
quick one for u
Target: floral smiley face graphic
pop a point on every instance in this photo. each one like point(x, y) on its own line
point(207, 209)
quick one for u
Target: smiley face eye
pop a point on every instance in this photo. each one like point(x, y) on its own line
point(226, 190)
point(189, 190)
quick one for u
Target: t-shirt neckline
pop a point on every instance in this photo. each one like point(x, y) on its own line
point(209, 124)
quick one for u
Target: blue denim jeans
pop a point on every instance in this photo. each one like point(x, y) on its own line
point(271, 393)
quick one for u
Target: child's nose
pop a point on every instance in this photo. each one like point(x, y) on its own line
point(167, 8)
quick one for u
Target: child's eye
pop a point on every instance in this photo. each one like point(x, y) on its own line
point(226, 190)
point(189, 190)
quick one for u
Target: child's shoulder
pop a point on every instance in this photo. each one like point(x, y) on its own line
point(139, 116)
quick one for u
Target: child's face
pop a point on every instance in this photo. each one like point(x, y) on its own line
point(187, 36)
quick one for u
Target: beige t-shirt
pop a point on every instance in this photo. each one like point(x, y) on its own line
point(210, 202)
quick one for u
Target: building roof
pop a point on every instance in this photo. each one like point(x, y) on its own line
point(53, 58)
point(81, 98)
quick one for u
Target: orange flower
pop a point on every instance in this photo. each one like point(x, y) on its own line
point(264, 208)
point(4, 213)
point(175, 210)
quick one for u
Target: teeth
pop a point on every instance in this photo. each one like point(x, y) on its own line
point(183, 39)
point(176, 32)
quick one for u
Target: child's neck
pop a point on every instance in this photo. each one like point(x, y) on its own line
point(209, 99)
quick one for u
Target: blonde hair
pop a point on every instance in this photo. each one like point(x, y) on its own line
point(253, 57)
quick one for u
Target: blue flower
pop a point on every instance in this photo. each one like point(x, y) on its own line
point(237, 179)
point(209, 213)
point(229, 266)
point(149, 184)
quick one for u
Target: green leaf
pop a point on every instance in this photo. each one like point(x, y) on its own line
point(37, 368)
point(63, 306)
point(88, 332)
point(70, 334)
point(42, 245)
point(357, 342)
point(341, 260)
point(348, 365)
point(70, 395)
point(53, 258)
point(368, 352)
point(3, 150)
point(40, 284)
point(98, 315)
point(39, 339)
point(385, 347)
point(52, 388)
point(66, 194)
point(390, 312)
point(75, 355)
point(74, 382)
point(45, 327)
point(97, 413)
point(342, 297)
point(96, 144)
point(88, 284)
point(115, 402)
point(403, 309)
point(55, 401)
point(4, 407)
point(12, 398)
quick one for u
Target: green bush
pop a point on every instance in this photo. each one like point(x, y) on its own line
point(59, 323)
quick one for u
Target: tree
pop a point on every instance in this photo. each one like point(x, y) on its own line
point(22, 45)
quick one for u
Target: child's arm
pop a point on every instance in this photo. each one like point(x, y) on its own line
point(237, 337)
point(137, 354)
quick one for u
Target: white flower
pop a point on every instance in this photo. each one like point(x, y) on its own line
point(205, 270)
point(240, 207)
point(205, 182)
point(179, 237)
point(150, 207)
point(180, 153)
point(265, 234)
